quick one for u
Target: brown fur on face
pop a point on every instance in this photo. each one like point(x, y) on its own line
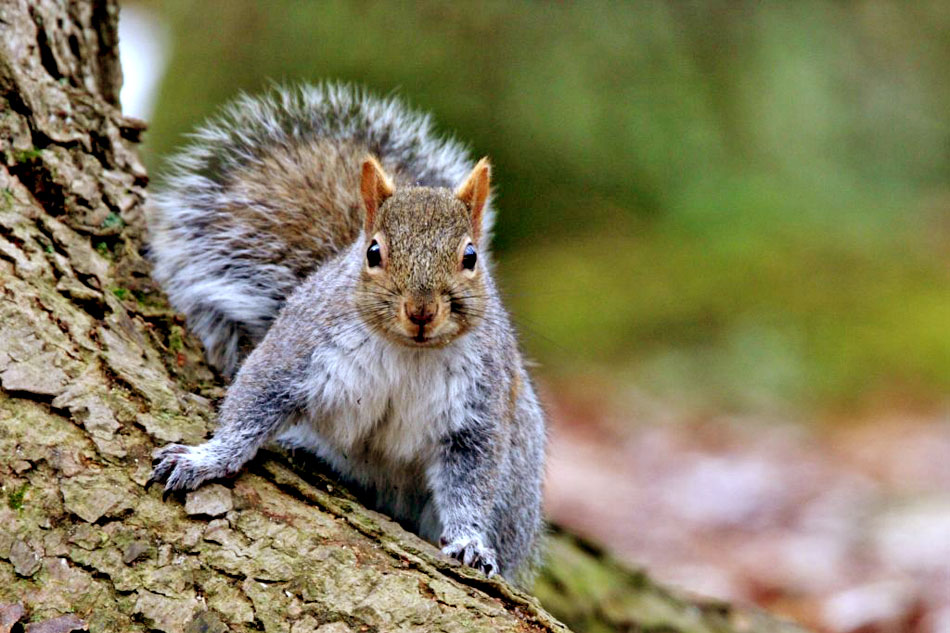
point(420, 295)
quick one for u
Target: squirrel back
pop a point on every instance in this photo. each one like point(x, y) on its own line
point(268, 190)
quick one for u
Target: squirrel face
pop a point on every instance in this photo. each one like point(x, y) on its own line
point(421, 283)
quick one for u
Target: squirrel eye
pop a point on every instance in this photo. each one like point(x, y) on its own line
point(469, 258)
point(374, 255)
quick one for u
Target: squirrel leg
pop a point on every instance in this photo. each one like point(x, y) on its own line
point(255, 407)
point(462, 483)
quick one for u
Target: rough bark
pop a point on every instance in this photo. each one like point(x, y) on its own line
point(96, 371)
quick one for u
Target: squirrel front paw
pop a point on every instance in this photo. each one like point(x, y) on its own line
point(473, 552)
point(182, 467)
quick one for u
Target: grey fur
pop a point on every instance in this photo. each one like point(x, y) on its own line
point(448, 438)
point(231, 280)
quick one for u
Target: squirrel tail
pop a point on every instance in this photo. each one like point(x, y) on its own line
point(267, 190)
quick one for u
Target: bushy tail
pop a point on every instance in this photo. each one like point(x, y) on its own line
point(267, 190)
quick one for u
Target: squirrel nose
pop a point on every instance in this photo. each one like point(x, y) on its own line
point(422, 312)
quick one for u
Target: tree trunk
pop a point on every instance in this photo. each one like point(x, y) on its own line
point(96, 372)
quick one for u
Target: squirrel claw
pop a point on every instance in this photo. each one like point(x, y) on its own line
point(182, 468)
point(474, 553)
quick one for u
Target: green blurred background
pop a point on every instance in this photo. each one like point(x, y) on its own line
point(734, 206)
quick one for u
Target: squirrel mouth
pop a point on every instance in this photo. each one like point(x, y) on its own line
point(424, 335)
point(422, 338)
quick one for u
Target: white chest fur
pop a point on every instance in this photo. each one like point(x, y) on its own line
point(379, 400)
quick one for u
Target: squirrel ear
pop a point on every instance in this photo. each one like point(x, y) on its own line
point(474, 193)
point(375, 188)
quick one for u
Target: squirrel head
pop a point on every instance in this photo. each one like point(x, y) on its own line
point(422, 284)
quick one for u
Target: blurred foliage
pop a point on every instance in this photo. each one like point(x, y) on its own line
point(734, 204)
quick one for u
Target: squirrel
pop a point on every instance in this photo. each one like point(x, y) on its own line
point(331, 252)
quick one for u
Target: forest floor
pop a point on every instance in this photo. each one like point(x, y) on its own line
point(843, 527)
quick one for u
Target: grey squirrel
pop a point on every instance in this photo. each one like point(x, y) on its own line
point(331, 251)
